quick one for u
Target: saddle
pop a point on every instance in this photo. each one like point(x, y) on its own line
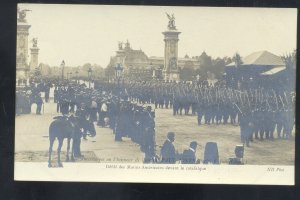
point(70, 119)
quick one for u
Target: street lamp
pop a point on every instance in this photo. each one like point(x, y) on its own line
point(62, 71)
point(90, 71)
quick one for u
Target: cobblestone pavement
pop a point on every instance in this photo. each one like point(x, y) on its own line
point(32, 136)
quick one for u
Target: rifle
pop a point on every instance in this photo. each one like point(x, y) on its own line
point(283, 106)
point(275, 96)
point(286, 99)
point(238, 108)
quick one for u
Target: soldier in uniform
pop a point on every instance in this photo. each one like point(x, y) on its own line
point(246, 127)
point(175, 106)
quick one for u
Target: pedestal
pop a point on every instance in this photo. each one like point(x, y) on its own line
point(34, 61)
point(22, 66)
point(171, 71)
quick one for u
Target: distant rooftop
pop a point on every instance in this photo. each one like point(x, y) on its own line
point(261, 58)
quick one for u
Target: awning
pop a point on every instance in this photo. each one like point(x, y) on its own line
point(273, 71)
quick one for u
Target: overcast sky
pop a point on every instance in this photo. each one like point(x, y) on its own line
point(80, 34)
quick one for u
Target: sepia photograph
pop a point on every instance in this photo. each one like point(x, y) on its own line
point(155, 94)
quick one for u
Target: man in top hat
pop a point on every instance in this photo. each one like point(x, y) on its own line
point(189, 155)
point(168, 154)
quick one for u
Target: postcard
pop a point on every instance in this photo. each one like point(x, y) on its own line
point(155, 94)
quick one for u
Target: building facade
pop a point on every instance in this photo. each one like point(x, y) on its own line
point(137, 65)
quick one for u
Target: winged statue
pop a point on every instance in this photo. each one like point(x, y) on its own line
point(171, 24)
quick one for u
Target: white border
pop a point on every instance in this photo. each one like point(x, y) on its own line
point(195, 174)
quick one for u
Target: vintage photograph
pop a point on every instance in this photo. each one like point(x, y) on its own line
point(190, 94)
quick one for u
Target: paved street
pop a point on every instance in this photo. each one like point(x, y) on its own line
point(32, 137)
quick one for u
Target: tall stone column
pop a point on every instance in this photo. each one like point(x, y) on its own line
point(171, 71)
point(34, 62)
point(22, 66)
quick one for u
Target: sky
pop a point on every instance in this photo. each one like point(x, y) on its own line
point(82, 34)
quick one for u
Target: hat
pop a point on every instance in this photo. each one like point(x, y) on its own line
point(170, 135)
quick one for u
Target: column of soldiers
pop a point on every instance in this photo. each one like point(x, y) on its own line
point(259, 112)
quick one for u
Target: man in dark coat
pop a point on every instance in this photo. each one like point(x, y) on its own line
point(47, 91)
point(39, 103)
point(148, 144)
point(246, 128)
point(168, 154)
point(189, 155)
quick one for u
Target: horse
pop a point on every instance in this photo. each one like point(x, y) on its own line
point(67, 127)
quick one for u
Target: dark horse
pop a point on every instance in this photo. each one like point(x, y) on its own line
point(71, 128)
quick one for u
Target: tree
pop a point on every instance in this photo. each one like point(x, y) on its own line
point(237, 59)
point(205, 64)
point(218, 67)
point(290, 60)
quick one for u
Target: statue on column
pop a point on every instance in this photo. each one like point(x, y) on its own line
point(22, 14)
point(171, 24)
point(34, 42)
